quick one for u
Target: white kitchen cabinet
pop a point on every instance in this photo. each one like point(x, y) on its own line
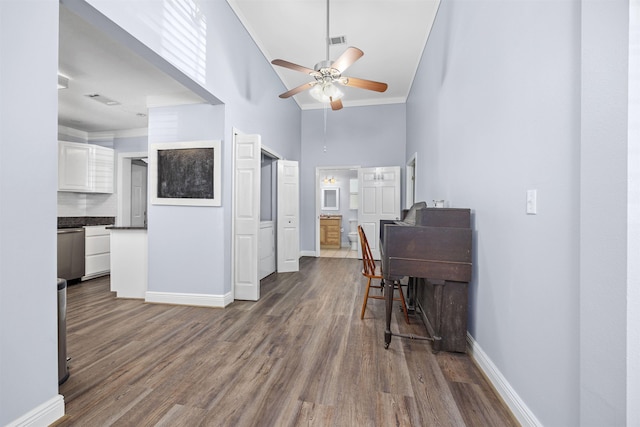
point(102, 169)
point(73, 167)
point(97, 251)
point(129, 265)
point(85, 168)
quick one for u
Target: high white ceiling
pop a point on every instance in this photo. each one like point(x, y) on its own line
point(392, 34)
point(96, 64)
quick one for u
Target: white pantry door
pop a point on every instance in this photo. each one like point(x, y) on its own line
point(379, 199)
point(288, 233)
point(138, 195)
point(246, 213)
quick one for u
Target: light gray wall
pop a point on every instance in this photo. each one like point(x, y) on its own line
point(184, 241)
point(28, 186)
point(494, 112)
point(356, 136)
point(224, 60)
point(131, 144)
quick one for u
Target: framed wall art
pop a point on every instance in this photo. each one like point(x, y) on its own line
point(185, 173)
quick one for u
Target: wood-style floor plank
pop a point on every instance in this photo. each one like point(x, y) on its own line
point(301, 356)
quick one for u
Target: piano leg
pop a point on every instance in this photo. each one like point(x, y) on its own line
point(411, 295)
point(388, 294)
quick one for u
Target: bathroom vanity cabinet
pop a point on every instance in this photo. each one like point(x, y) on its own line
point(330, 231)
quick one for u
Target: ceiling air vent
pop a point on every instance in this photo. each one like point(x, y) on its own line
point(337, 40)
point(102, 99)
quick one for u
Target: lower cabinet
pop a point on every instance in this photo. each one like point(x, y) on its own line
point(330, 232)
point(97, 251)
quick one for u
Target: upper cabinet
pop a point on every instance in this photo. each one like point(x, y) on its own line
point(85, 168)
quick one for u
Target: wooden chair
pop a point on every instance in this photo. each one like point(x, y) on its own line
point(371, 271)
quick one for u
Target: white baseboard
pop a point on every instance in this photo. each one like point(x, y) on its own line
point(43, 415)
point(202, 300)
point(519, 409)
point(308, 253)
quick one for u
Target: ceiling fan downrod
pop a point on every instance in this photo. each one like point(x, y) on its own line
point(327, 40)
point(327, 73)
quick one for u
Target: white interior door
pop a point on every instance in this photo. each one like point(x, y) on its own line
point(288, 201)
point(379, 199)
point(138, 195)
point(246, 214)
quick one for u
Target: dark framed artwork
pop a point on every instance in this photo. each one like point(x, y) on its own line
point(185, 173)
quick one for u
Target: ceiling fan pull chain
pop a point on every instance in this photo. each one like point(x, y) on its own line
point(324, 133)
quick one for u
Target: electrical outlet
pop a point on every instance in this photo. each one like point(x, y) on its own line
point(532, 202)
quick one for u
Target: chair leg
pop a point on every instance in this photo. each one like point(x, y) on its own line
point(404, 304)
point(366, 297)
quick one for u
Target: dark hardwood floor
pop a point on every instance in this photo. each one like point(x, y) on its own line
point(299, 356)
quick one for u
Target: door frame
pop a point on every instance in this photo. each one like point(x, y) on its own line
point(273, 181)
point(272, 153)
point(411, 170)
point(124, 191)
point(319, 172)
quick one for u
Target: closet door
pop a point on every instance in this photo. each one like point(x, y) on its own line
point(246, 213)
point(288, 232)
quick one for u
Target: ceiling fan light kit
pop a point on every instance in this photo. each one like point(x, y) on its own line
point(326, 92)
point(327, 74)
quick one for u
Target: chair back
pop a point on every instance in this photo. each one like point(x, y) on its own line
point(369, 264)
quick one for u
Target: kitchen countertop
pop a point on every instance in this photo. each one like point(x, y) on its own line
point(113, 227)
point(81, 221)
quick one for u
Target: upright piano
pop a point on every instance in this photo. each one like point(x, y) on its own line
point(433, 248)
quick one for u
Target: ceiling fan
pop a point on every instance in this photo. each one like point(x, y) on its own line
point(326, 74)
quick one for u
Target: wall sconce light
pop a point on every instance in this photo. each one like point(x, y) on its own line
point(328, 180)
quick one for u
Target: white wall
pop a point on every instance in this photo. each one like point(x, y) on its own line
point(605, 170)
point(633, 220)
point(494, 112)
point(28, 185)
point(355, 136)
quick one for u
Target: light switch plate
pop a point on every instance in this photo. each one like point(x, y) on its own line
point(532, 202)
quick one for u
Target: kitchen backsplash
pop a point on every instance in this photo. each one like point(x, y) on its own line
point(85, 204)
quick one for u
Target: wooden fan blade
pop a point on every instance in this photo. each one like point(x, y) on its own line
point(292, 66)
point(336, 105)
point(364, 84)
point(348, 57)
point(297, 90)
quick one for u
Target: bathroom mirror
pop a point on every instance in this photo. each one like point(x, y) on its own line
point(331, 199)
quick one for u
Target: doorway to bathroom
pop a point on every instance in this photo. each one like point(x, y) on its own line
point(337, 201)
